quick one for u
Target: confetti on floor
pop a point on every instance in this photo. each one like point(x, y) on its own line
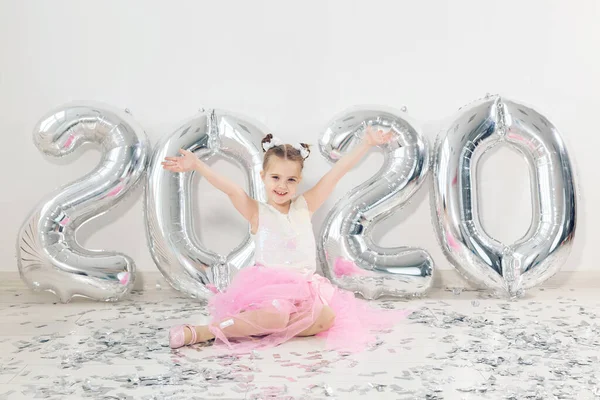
point(456, 345)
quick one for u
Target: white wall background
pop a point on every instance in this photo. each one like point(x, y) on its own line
point(293, 65)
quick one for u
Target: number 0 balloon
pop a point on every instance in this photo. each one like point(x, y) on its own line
point(547, 243)
point(185, 262)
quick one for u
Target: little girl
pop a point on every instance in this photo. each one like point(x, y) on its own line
point(281, 296)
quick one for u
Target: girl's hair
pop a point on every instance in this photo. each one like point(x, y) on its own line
point(284, 151)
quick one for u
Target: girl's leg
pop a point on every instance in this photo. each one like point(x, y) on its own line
point(260, 323)
point(250, 323)
point(202, 334)
point(254, 323)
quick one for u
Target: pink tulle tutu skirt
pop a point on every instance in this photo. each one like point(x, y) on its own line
point(294, 301)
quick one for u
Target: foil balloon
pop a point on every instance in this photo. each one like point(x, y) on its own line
point(185, 262)
point(503, 268)
point(48, 255)
point(346, 251)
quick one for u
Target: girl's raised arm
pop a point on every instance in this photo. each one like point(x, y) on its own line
point(316, 196)
point(245, 205)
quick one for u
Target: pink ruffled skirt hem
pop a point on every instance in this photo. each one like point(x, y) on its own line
point(281, 304)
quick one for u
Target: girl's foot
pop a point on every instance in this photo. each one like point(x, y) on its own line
point(184, 335)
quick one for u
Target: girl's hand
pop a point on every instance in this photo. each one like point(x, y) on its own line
point(187, 162)
point(377, 137)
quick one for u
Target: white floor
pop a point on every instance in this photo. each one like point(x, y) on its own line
point(457, 345)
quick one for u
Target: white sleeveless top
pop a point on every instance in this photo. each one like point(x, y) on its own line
point(286, 240)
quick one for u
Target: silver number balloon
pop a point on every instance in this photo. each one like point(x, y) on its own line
point(393, 272)
point(48, 255)
point(187, 264)
point(544, 248)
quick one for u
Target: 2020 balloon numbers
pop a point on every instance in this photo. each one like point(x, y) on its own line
point(49, 257)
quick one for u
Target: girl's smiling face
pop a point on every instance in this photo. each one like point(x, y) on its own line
point(281, 179)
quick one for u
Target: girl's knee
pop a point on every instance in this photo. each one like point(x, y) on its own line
point(327, 318)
